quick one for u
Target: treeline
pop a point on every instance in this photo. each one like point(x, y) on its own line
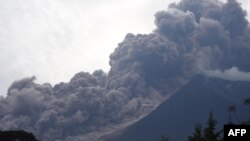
point(209, 133)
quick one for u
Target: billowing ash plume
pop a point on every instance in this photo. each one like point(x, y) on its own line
point(193, 36)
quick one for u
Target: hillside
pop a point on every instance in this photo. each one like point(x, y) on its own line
point(177, 116)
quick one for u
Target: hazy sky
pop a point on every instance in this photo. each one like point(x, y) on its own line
point(54, 39)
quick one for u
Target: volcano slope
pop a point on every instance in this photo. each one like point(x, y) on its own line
point(177, 116)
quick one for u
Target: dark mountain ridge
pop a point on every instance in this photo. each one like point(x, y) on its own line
point(177, 116)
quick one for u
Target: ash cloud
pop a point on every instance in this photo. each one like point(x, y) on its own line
point(190, 37)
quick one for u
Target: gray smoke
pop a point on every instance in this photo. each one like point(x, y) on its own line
point(191, 37)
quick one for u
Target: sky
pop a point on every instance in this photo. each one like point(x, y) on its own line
point(54, 39)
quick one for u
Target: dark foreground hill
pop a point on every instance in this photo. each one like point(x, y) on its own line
point(17, 136)
point(177, 116)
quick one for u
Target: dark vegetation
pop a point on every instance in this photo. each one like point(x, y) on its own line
point(207, 134)
point(210, 133)
point(18, 135)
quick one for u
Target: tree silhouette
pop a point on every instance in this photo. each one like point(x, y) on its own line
point(164, 138)
point(209, 133)
point(247, 102)
point(197, 135)
point(232, 110)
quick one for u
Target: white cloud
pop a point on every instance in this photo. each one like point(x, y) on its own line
point(232, 74)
